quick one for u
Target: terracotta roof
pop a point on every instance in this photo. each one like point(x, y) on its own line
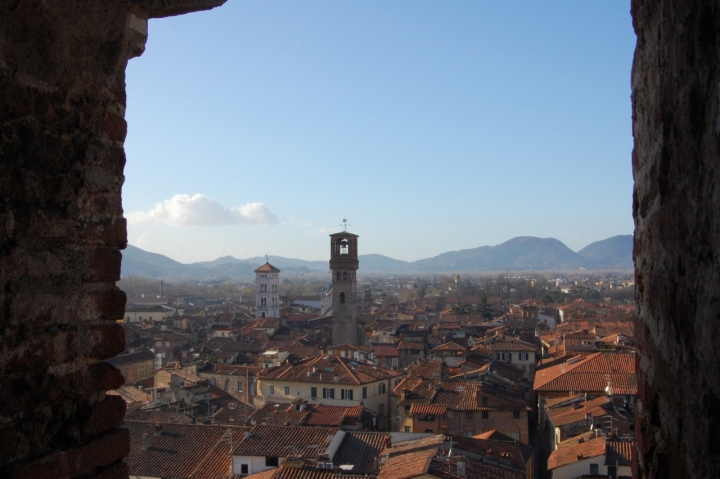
point(330, 416)
point(385, 350)
point(411, 345)
point(562, 456)
point(267, 268)
point(506, 346)
point(263, 475)
point(590, 374)
point(451, 346)
point(308, 472)
point(323, 369)
point(447, 469)
point(414, 445)
point(578, 411)
point(458, 395)
point(408, 465)
point(186, 374)
point(280, 441)
point(272, 414)
point(181, 450)
point(437, 409)
point(619, 452)
point(428, 369)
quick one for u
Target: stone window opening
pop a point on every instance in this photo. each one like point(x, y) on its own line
point(337, 275)
point(344, 277)
point(644, 103)
point(342, 298)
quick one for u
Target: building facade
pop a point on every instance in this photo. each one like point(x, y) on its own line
point(343, 266)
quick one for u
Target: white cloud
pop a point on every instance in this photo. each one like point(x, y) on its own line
point(201, 210)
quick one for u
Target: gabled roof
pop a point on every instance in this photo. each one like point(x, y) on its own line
point(280, 441)
point(324, 368)
point(408, 465)
point(458, 395)
point(451, 346)
point(592, 373)
point(331, 416)
point(267, 268)
point(436, 409)
point(576, 451)
point(619, 452)
point(180, 450)
point(361, 449)
point(578, 411)
point(404, 345)
point(506, 346)
point(385, 350)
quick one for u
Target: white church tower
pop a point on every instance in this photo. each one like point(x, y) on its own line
point(267, 291)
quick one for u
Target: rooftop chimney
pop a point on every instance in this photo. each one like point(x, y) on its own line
point(461, 468)
point(146, 441)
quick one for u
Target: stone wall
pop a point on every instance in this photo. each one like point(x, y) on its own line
point(62, 127)
point(676, 206)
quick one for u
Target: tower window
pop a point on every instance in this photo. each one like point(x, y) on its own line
point(344, 275)
point(338, 275)
point(342, 298)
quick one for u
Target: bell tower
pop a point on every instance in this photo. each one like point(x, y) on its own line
point(343, 266)
point(267, 291)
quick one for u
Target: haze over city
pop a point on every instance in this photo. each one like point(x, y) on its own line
point(255, 128)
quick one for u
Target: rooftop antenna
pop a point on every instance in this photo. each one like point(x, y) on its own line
point(345, 225)
point(266, 258)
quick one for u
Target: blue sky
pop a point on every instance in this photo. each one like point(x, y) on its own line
point(433, 126)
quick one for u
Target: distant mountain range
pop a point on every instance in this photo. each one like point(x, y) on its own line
point(523, 253)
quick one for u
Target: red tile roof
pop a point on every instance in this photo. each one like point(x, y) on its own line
point(408, 465)
point(451, 346)
point(267, 268)
point(181, 450)
point(281, 441)
point(458, 395)
point(331, 416)
point(323, 369)
point(410, 345)
point(436, 409)
point(577, 451)
point(591, 373)
point(382, 350)
point(506, 346)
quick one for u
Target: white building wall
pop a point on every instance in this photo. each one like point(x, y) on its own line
point(267, 288)
point(303, 390)
point(256, 464)
point(579, 468)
